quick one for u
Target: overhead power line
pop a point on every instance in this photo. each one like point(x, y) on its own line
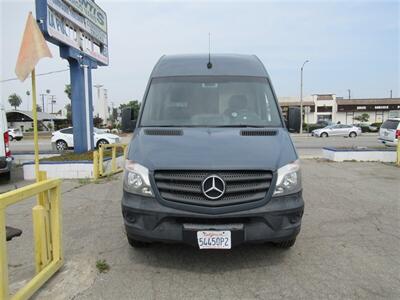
point(41, 74)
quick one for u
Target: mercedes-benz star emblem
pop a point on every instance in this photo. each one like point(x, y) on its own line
point(213, 187)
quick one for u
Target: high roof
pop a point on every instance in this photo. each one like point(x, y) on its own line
point(196, 65)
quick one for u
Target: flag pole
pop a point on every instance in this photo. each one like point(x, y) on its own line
point(35, 126)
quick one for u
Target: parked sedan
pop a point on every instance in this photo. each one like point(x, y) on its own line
point(15, 134)
point(63, 139)
point(337, 130)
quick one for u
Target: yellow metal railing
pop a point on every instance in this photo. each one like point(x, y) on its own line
point(47, 234)
point(98, 160)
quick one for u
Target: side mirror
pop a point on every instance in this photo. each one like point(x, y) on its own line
point(293, 120)
point(127, 122)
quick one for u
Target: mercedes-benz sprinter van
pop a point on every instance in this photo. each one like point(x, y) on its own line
point(211, 162)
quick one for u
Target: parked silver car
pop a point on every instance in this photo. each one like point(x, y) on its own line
point(337, 130)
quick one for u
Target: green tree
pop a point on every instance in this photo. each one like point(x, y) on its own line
point(362, 118)
point(68, 107)
point(134, 105)
point(97, 122)
point(67, 90)
point(14, 100)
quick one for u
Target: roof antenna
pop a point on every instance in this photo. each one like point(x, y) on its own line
point(209, 64)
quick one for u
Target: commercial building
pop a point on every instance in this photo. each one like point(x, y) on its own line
point(337, 109)
point(23, 120)
point(101, 106)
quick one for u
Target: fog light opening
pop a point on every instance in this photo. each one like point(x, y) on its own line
point(130, 217)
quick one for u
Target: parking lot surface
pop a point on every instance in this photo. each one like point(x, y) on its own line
point(306, 145)
point(348, 247)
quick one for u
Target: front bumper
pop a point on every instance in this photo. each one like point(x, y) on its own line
point(146, 219)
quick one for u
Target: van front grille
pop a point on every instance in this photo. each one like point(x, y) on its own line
point(186, 186)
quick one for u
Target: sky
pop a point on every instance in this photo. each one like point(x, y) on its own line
point(350, 44)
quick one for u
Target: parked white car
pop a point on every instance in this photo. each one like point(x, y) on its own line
point(337, 130)
point(15, 134)
point(63, 139)
point(389, 133)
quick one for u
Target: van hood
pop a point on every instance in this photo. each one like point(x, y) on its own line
point(212, 149)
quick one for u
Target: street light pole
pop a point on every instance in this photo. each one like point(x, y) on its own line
point(301, 97)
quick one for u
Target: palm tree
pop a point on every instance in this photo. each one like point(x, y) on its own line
point(68, 91)
point(14, 100)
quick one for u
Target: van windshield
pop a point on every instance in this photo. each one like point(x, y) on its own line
point(217, 101)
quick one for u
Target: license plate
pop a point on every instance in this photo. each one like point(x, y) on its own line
point(214, 239)
point(386, 133)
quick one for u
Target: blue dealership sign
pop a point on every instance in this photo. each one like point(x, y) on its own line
point(79, 24)
point(79, 28)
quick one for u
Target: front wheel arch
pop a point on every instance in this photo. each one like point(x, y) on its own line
point(101, 142)
point(352, 134)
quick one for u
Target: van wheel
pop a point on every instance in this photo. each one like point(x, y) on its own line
point(10, 137)
point(324, 135)
point(61, 145)
point(286, 244)
point(137, 244)
point(352, 134)
point(18, 139)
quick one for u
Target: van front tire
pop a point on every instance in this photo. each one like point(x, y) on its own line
point(286, 244)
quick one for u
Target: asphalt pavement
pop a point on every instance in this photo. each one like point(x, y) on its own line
point(348, 247)
point(306, 145)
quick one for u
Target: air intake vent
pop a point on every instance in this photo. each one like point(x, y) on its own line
point(258, 132)
point(163, 132)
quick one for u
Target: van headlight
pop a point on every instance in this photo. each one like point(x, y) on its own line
point(136, 179)
point(289, 179)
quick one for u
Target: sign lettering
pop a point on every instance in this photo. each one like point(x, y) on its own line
point(90, 10)
point(80, 24)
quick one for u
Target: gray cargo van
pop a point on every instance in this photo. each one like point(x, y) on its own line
point(211, 163)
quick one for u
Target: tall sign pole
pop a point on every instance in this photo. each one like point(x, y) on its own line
point(79, 28)
point(301, 96)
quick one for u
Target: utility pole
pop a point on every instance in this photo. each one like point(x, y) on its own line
point(349, 91)
point(301, 96)
point(52, 101)
point(98, 87)
point(391, 94)
point(42, 95)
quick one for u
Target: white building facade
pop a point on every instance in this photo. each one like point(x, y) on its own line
point(101, 105)
point(329, 107)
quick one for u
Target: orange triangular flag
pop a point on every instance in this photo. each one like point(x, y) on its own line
point(33, 48)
